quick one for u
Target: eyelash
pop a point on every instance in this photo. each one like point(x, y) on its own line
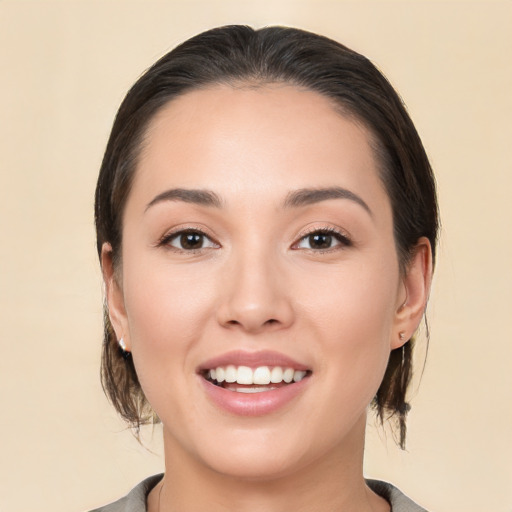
point(166, 240)
point(341, 238)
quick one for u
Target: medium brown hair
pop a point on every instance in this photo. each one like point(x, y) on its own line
point(241, 55)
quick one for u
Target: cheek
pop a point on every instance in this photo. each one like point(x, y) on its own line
point(167, 312)
point(353, 299)
point(167, 309)
point(354, 317)
point(159, 292)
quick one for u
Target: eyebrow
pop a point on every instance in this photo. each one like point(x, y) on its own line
point(307, 196)
point(195, 196)
point(294, 199)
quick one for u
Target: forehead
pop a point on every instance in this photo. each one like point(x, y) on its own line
point(262, 139)
point(270, 110)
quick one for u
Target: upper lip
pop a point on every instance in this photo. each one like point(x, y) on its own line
point(252, 360)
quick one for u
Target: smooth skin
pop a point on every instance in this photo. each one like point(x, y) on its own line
point(317, 281)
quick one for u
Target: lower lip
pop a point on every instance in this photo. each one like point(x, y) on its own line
point(253, 404)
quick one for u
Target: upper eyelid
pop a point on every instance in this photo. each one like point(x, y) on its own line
point(169, 235)
point(343, 238)
point(324, 229)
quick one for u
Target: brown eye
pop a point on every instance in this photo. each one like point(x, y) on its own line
point(320, 241)
point(323, 240)
point(190, 240)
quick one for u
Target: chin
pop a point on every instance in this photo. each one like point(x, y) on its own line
point(254, 454)
point(254, 465)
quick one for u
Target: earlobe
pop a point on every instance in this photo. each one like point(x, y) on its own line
point(416, 285)
point(114, 296)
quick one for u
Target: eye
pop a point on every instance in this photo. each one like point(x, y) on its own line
point(189, 240)
point(322, 240)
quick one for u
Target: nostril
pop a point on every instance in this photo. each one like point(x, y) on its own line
point(271, 321)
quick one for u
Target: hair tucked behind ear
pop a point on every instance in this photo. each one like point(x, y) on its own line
point(240, 55)
point(390, 400)
point(120, 382)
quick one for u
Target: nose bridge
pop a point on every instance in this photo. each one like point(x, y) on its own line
point(255, 297)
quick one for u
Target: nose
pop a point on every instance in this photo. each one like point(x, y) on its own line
point(255, 297)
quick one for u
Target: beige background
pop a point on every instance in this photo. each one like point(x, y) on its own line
point(65, 67)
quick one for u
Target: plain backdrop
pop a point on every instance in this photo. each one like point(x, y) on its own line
point(65, 66)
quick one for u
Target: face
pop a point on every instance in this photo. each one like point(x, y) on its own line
point(258, 248)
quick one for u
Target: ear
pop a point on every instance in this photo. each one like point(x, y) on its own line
point(413, 294)
point(114, 296)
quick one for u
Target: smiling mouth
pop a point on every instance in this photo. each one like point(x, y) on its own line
point(243, 379)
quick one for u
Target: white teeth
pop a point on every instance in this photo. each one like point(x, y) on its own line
point(261, 376)
point(245, 375)
point(288, 375)
point(298, 376)
point(253, 390)
point(276, 375)
point(231, 374)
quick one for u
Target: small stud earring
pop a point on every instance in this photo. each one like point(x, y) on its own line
point(401, 335)
point(122, 347)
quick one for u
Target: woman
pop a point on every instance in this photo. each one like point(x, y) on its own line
point(266, 223)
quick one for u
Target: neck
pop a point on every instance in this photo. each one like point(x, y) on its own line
point(334, 481)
